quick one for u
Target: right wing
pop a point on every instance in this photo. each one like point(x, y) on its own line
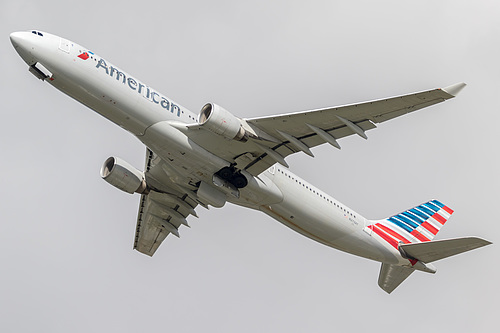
point(163, 210)
point(277, 136)
point(300, 131)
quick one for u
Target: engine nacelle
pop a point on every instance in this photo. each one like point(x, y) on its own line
point(122, 175)
point(222, 122)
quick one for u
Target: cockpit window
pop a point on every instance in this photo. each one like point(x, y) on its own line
point(37, 33)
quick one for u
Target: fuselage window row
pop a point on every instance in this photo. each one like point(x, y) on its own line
point(317, 193)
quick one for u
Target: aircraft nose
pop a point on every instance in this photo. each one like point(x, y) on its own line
point(23, 45)
point(17, 38)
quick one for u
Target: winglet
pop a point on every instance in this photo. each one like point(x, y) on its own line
point(454, 89)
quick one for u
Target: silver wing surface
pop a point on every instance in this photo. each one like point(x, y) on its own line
point(163, 210)
point(276, 137)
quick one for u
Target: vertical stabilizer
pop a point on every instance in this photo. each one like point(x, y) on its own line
point(391, 276)
point(411, 233)
point(418, 224)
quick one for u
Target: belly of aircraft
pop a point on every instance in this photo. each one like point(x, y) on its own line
point(323, 224)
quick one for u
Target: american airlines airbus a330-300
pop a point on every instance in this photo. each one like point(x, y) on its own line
point(215, 157)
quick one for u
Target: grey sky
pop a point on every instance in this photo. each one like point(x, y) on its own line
point(67, 263)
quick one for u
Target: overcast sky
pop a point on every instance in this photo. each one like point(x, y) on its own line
point(66, 236)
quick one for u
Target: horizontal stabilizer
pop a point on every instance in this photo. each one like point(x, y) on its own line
point(391, 276)
point(436, 250)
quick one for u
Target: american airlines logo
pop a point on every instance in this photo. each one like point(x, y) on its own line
point(135, 85)
point(85, 55)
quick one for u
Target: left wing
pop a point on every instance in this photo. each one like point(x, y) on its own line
point(278, 136)
point(163, 210)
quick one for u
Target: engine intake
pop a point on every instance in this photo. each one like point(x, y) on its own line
point(222, 122)
point(122, 175)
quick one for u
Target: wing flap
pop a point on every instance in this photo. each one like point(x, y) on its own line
point(311, 140)
point(148, 235)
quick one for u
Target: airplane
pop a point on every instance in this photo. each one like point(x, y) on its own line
point(215, 157)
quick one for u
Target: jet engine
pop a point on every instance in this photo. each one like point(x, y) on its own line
point(222, 122)
point(122, 175)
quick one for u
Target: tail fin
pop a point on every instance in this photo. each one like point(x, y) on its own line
point(391, 276)
point(412, 233)
point(419, 224)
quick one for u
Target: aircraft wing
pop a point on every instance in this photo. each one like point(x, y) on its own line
point(316, 127)
point(281, 135)
point(163, 210)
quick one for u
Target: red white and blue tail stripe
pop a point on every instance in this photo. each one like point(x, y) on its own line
point(419, 224)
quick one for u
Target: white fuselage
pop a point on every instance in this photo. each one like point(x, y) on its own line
point(157, 121)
